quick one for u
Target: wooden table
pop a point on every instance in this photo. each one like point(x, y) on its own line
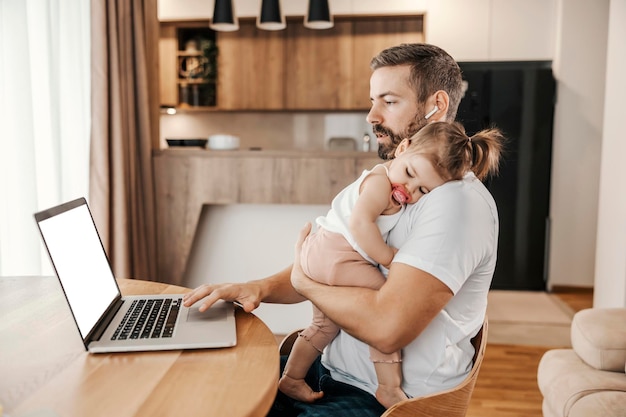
point(45, 370)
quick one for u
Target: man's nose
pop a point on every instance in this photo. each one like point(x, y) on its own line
point(373, 116)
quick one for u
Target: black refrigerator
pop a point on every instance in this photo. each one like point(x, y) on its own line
point(518, 98)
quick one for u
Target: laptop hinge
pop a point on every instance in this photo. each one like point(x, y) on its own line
point(104, 321)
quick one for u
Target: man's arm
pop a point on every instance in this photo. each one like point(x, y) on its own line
point(274, 289)
point(387, 319)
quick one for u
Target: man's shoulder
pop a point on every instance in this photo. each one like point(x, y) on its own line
point(455, 199)
point(468, 190)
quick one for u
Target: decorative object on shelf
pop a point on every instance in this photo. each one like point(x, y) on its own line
point(341, 143)
point(318, 15)
point(197, 67)
point(223, 141)
point(187, 142)
point(224, 17)
point(271, 16)
point(192, 63)
point(367, 141)
point(171, 110)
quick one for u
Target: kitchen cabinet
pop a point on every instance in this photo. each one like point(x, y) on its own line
point(168, 73)
point(187, 179)
point(372, 35)
point(320, 67)
point(294, 69)
point(187, 65)
point(251, 69)
point(330, 69)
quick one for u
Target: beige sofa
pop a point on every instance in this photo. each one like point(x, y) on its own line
point(588, 380)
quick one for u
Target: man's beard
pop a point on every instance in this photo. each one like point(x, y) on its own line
point(387, 151)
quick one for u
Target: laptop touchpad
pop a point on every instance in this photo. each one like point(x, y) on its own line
point(216, 313)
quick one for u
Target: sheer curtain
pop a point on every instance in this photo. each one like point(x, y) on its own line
point(44, 120)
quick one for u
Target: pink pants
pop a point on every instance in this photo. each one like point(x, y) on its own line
point(329, 259)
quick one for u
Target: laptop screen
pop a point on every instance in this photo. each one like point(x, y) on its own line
point(80, 261)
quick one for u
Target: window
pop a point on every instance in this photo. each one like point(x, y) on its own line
point(44, 121)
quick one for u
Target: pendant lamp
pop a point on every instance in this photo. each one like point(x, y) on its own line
point(318, 15)
point(271, 17)
point(224, 18)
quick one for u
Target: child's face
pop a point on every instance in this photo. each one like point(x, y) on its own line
point(412, 175)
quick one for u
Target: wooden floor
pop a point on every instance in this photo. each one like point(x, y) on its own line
point(507, 383)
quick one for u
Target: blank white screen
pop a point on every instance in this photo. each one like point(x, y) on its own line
point(81, 265)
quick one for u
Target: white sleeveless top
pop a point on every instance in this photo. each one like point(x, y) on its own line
point(338, 217)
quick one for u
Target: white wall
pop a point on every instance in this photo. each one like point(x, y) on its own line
point(242, 242)
point(610, 271)
point(493, 30)
point(580, 67)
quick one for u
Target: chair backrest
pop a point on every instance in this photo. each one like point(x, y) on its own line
point(453, 402)
point(287, 343)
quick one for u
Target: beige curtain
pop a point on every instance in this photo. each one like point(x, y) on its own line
point(125, 115)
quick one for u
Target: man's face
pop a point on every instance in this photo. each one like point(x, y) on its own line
point(394, 111)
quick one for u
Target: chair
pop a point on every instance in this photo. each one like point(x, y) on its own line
point(453, 402)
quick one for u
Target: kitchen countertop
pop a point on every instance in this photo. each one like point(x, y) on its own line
point(270, 153)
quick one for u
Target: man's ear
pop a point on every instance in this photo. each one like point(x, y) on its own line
point(403, 146)
point(442, 101)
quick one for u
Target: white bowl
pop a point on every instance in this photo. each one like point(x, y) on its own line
point(223, 142)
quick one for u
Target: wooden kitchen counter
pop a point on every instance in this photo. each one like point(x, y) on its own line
point(188, 178)
point(264, 153)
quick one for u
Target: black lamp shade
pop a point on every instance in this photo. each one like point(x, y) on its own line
point(318, 15)
point(224, 18)
point(271, 17)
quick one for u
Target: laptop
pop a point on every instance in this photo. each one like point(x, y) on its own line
point(108, 321)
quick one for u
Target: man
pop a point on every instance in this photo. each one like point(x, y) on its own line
point(435, 296)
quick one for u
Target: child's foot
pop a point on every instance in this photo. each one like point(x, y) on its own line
point(298, 389)
point(389, 395)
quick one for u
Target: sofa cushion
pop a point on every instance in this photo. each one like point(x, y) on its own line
point(564, 379)
point(599, 337)
point(605, 404)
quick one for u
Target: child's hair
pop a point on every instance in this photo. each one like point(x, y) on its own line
point(453, 153)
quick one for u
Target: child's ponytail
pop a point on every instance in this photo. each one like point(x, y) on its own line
point(453, 153)
point(486, 151)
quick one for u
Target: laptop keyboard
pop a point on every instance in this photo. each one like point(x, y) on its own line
point(149, 319)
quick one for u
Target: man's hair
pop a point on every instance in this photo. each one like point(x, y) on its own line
point(432, 69)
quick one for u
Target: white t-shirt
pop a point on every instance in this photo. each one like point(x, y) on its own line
point(451, 233)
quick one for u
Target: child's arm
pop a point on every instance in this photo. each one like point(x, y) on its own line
point(373, 200)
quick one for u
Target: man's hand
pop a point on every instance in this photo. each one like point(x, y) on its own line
point(247, 294)
point(299, 279)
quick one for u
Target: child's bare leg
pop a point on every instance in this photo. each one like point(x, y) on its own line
point(292, 383)
point(389, 389)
